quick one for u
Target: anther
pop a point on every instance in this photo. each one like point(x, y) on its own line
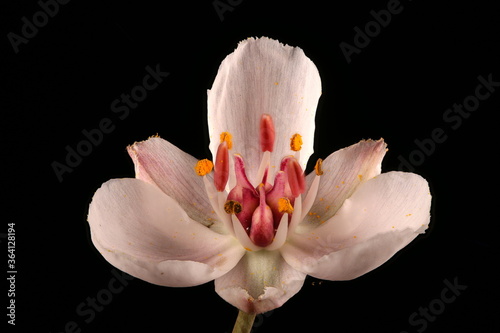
point(203, 167)
point(232, 207)
point(317, 167)
point(267, 133)
point(296, 142)
point(221, 173)
point(284, 206)
point(228, 138)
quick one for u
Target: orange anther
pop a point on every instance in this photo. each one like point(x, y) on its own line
point(284, 206)
point(228, 138)
point(203, 167)
point(296, 142)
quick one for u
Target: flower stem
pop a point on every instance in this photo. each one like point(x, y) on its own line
point(244, 322)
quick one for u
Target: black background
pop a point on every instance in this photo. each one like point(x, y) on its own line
point(65, 78)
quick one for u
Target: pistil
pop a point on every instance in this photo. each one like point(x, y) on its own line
point(296, 178)
point(221, 172)
point(262, 228)
point(267, 133)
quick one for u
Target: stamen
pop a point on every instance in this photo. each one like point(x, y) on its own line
point(264, 165)
point(267, 133)
point(241, 234)
point(296, 178)
point(284, 206)
point(221, 173)
point(297, 216)
point(232, 207)
point(228, 138)
point(217, 203)
point(280, 235)
point(296, 142)
point(317, 167)
point(310, 197)
point(203, 167)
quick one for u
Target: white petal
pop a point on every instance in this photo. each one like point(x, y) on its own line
point(160, 163)
point(264, 76)
point(261, 281)
point(382, 216)
point(144, 232)
point(343, 171)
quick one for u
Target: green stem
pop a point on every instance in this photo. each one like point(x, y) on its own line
point(244, 322)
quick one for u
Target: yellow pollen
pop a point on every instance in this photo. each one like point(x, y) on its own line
point(284, 206)
point(296, 142)
point(226, 136)
point(203, 167)
point(232, 207)
point(318, 169)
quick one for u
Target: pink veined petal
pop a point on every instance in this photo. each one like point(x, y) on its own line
point(160, 163)
point(264, 76)
point(382, 216)
point(343, 171)
point(261, 281)
point(144, 232)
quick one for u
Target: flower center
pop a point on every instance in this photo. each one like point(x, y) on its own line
point(258, 209)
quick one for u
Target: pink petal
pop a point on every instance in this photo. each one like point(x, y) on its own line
point(382, 216)
point(144, 232)
point(263, 76)
point(343, 171)
point(261, 281)
point(160, 163)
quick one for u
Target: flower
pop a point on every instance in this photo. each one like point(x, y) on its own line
point(256, 224)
